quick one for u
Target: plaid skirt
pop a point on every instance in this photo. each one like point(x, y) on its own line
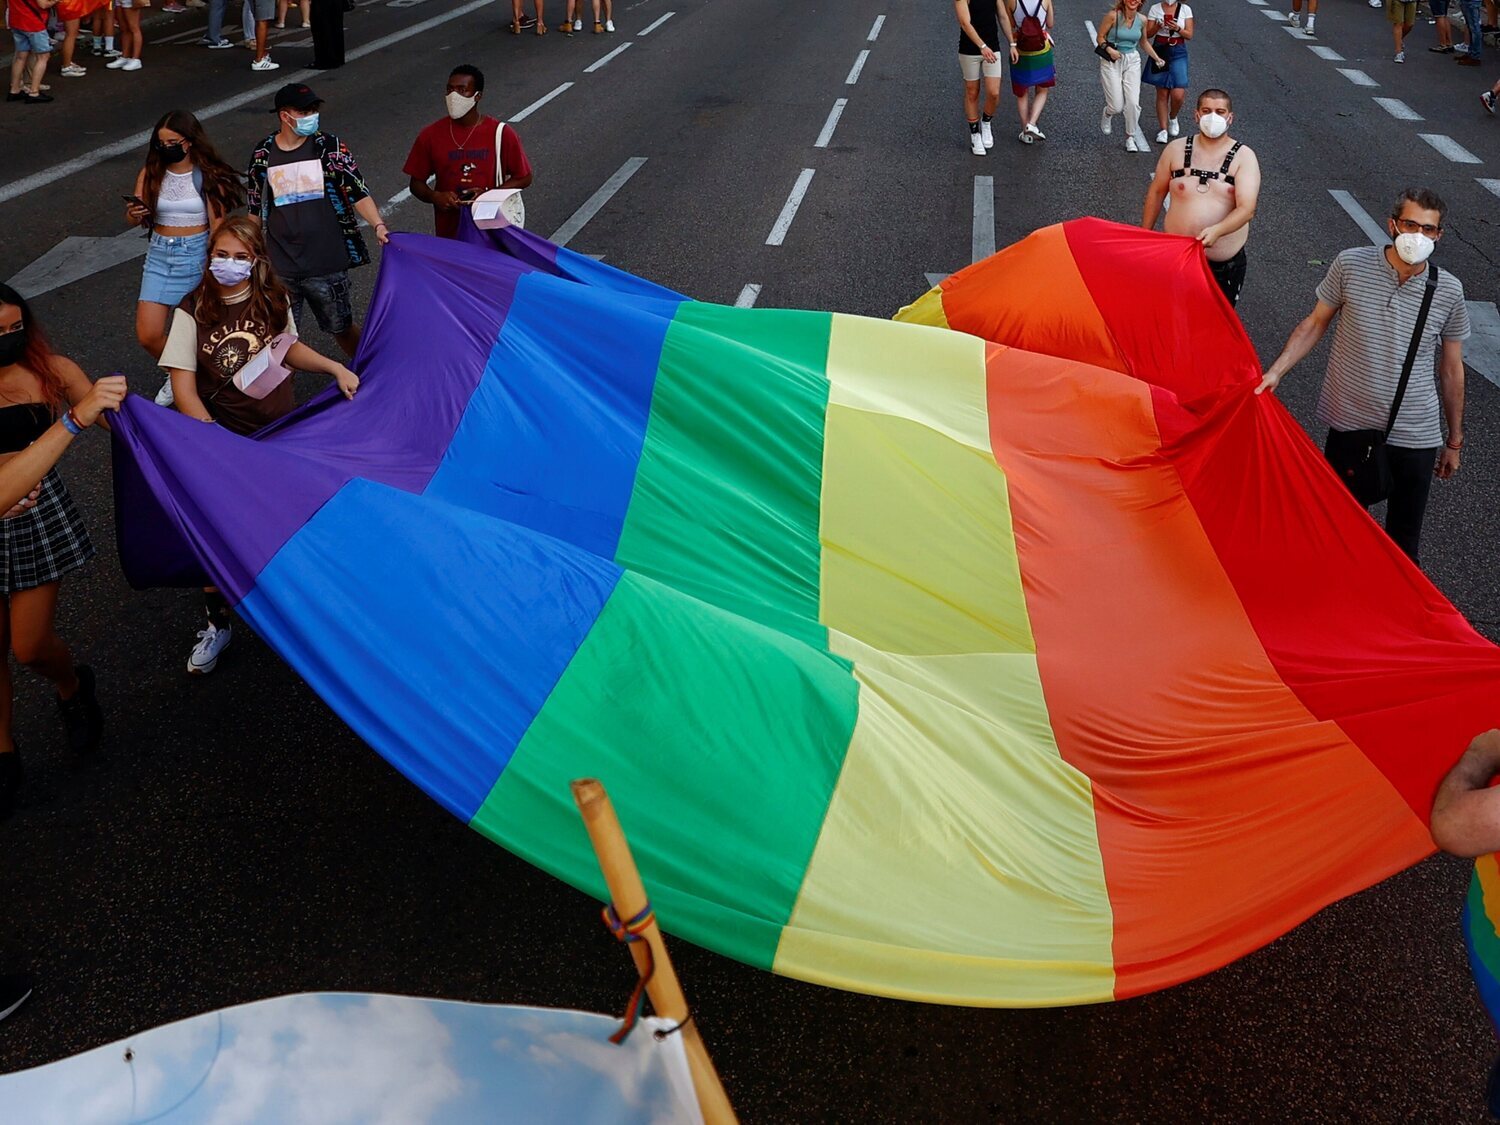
point(45, 542)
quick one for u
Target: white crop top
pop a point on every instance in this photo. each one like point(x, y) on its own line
point(179, 203)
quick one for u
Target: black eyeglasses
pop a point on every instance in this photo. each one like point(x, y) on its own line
point(1411, 226)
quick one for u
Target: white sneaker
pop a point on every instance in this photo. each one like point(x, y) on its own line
point(1172, 126)
point(73, 70)
point(1400, 57)
point(1130, 145)
point(1309, 27)
point(131, 64)
point(1027, 138)
point(976, 144)
point(116, 63)
point(1161, 138)
point(609, 25)
point(1037, 133)
point(986, 134)
point(578, 25)
point(265, 64)
point(1294, 19)
point(1106, 122)
point(1377, 3)
point(211, 642)
point(165, 397)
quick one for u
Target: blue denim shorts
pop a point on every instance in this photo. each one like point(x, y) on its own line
point(174, 266)
point(328, 295)
point(37, 42)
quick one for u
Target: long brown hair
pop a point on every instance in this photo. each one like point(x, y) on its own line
point(222, 185)
point(38, 354)
point(269, 300)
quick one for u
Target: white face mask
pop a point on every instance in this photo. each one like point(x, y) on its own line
point(1414, 248)
point(1213, 125)
point(458, 105)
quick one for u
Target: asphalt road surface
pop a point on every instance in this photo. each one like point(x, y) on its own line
point(234, 841)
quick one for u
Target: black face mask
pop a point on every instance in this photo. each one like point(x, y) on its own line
point(12, 347)
point(171, 154)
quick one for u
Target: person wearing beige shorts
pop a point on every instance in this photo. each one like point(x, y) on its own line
point(979, 58)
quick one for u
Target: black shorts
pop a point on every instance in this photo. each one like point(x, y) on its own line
point(1230, 274)
point(329, 297)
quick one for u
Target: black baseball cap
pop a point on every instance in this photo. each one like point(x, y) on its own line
point(295, 95)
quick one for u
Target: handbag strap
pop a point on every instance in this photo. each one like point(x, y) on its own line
point(1411, 351)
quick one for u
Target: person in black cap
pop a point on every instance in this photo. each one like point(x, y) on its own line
point(306, 190)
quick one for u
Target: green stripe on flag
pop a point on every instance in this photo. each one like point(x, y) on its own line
point(725, 741)
point(727, 493)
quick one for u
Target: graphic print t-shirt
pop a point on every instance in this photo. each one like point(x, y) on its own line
point(463, 158)
point(214, 352)
point(302, 229)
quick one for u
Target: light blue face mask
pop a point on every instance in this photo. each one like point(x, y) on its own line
point(305, 126)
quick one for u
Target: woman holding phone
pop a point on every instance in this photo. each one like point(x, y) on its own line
point(1169, 26)
point(1121, 40)
point(238, 310)
point(181, 193)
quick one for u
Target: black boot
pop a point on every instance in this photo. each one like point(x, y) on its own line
point(10, 781)
point(82, 717)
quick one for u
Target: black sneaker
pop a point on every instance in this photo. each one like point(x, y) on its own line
point(527, 22)
point(82, 717)
point(10, 781)
point(17, 96)
point(15, 989)
point(36, 99)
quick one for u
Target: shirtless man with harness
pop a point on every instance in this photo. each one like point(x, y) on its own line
point(1214, 181)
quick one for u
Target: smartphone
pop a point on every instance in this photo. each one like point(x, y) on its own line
point(137, 200)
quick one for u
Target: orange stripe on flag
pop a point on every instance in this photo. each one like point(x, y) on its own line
point(1226, 812)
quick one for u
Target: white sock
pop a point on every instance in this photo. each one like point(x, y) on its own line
point(1310, 20)
point(109, 42)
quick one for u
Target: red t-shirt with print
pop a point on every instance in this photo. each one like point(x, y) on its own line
point(463, 158)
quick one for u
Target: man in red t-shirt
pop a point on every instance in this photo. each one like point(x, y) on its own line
point(459, 150)
point(27, 20)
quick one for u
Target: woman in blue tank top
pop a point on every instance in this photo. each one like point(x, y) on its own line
point(1121, 40)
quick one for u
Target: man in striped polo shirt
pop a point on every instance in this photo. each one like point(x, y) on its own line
point(1378, 291)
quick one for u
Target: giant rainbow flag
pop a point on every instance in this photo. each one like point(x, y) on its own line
point(1021, 658)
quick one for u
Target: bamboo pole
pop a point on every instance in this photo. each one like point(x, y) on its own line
point(628, 894)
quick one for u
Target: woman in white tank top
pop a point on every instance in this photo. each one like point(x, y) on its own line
point(183, 191)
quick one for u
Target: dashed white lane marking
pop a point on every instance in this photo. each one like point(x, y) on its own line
point(1447, 146)
point(399, 198)
point(1328, 54)
point(984, 218)
point(541, 101)
point(1358, 77)
point(654, 24)
point(606, 59)
point(1372, 229)
point(133, 142)
point(789, 209)
point(1491, 186)
point(1398, 109)
point(748, 296)
point(831, 124)
point(595, 203)
point(1259, 3)
point(1091, 30)
point(859, 65)
point(875, 29)
point(1273, 14)
point(1297, 32)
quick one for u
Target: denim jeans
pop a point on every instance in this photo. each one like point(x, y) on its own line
point(1472, 11)
point(215, 30)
